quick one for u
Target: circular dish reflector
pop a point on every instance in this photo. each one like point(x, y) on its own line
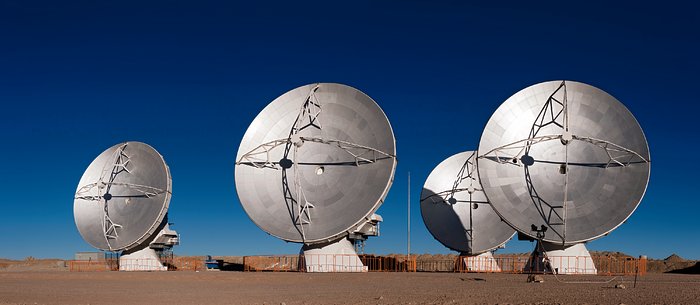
point(565, 159)
point(315, 163)
point(455, 209)
point(122, 197)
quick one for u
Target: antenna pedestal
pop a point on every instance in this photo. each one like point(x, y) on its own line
point(335, 256)
point(483, 262)
point(146, 259)
point(558, 259)
point(149, 258)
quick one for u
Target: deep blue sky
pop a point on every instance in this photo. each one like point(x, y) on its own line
point(189, 76)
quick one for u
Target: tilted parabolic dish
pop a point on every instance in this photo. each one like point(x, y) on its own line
point(121, 204)
point(456, 212)
point(565, 163)
point(314, 166)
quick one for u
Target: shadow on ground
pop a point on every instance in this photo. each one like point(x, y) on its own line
point(695, 269)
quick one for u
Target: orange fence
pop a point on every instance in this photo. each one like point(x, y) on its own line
point(611, 265)
point(389, 263)
point(184, 264)
point(115, 264)
point(601, 265)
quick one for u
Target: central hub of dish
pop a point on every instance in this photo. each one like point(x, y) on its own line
point(286, 163)
point(107, 196)
point(527, 160)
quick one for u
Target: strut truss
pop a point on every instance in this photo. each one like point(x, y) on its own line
point(513, 153)
point(260, 156)
point(361, 155)
point(144, 190)
point(109, 227)
point(466, 172)
point(553, 111)
point(617, 155)
point(309, 112)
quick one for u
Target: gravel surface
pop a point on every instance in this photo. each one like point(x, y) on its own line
point(55, 287)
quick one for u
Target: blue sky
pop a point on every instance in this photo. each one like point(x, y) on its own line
point(188, 77)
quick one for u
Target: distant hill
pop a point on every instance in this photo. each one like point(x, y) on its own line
point(674, 258)
point(33, 264)
point(672, 264)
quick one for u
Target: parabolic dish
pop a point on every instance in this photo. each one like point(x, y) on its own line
point(315, 163)
point(455, 209)
point(122, 197)
point(566, 156)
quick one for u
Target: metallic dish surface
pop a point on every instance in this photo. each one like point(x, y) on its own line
point(315, 163)
point(566, 156)
point(123, 197)
point(455, 209)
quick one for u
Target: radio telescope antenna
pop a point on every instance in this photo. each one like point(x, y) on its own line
point(121, 205)
point(313, 168)
point(565, 161)
point(456, 212)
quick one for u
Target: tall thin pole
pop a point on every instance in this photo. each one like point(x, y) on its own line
point(408, 229)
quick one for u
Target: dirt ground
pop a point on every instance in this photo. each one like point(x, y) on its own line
point(56, 287)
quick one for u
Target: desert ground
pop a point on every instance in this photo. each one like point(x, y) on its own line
point(47, 281)
point(56, 287)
